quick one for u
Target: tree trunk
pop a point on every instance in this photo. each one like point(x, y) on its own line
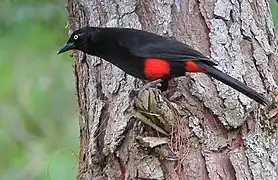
point(214, 131)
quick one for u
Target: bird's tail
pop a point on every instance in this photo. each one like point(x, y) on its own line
point(234, 83)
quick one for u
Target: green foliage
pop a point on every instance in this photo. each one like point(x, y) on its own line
point(38, 119)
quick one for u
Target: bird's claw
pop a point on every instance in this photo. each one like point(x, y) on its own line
point(153, 85)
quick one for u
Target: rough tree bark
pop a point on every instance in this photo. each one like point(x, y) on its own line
point(217, 132)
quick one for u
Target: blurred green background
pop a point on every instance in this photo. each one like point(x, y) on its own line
point(274, 10)
point(38, 119)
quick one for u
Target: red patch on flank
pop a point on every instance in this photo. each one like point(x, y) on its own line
point(191, 66)
point(156, 68)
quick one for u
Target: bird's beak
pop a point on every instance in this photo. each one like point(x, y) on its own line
point(67, 46)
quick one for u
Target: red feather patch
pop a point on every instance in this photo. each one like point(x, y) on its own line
point(156, 68)
point(191, 66)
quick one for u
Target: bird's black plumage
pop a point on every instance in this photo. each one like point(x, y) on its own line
point(147, 55)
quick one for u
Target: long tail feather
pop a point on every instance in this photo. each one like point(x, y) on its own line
point(234, 83)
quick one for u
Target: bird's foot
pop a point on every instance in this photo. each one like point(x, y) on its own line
point(154, 85)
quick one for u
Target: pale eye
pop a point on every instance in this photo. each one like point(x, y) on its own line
point(75, 37)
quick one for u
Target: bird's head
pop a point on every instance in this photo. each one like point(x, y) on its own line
point(80, 39)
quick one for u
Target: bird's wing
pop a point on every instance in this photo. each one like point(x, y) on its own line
point(162, 48)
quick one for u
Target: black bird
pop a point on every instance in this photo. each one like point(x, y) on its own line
point(149, 56)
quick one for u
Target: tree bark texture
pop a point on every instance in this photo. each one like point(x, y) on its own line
point(215, 132)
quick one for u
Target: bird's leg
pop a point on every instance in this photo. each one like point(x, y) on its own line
point(164, 85)
point(158, 85)
point(152, 84)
